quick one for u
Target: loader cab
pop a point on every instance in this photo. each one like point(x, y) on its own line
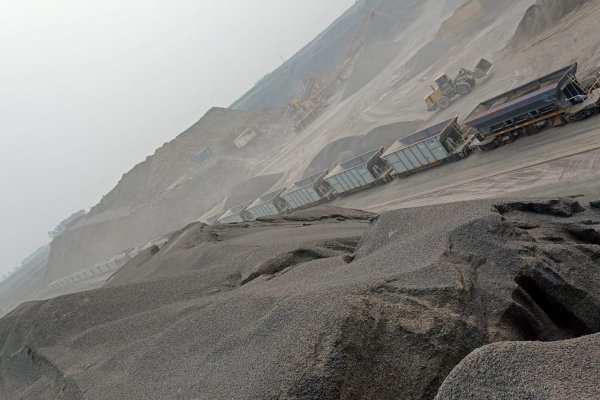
point(443, 82)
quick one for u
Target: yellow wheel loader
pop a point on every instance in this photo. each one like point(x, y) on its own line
point(446, 89)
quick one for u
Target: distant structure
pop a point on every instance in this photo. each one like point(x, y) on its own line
point(245, 138)
point(105, 269)
point(203, 155)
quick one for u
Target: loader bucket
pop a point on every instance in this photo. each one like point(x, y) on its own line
point(483, 68)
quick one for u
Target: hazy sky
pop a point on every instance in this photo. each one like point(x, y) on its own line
point(89, 88)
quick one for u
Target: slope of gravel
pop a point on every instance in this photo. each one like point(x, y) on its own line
point(542, 15)
point(326, 304)
point(566, 370)
point(25, 283)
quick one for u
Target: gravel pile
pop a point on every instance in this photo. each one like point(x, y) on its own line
point(566, 370)
point(337, 304)
point(543, 15)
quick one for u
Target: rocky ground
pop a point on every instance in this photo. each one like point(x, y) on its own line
point(532, 370)
point(330, 303)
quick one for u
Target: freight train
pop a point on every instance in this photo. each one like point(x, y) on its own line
point(554, 99)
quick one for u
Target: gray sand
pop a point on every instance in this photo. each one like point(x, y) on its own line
point(331, 304)
point(532, 370)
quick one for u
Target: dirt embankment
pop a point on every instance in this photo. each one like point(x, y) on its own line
point(169, 189)
point(331, 304)
point(542, 15)
point(357, 47)
point(351, 146)
point(251, 189)
point(149, 179)
point(528, 370)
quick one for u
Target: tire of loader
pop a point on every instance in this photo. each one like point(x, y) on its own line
point(443, 102)
point(464, 89)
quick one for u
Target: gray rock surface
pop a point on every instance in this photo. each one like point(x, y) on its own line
point(557, 207)
point(566, 370)
point(387, 308)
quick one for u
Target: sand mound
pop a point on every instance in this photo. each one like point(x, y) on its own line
point(541, 16)
point(566, 370)
point(363, 39)
point(334, 305)
point(251, 189)
point(351, 146)
point(168, 190)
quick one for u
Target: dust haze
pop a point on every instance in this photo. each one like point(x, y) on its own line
point(90, 89)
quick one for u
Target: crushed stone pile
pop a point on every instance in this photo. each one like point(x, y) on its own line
point(332, 303)
point(542, 15)
point(566, 370)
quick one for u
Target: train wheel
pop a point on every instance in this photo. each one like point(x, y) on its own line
point(570, 118)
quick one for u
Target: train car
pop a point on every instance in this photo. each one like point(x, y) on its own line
point(268, 204)
point(307, 192)
point(554, 98)
point(427, 148)
point(359, 173)
point(214, 218)
point(236, 214)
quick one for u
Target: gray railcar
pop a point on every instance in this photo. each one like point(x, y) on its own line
point(359, 172)
point(235, 214)
point(427, 148)
point(307, 191)
point(268, 204)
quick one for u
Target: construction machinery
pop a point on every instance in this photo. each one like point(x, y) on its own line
point(308, 108)
point(317, 90)
point(446, 89)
